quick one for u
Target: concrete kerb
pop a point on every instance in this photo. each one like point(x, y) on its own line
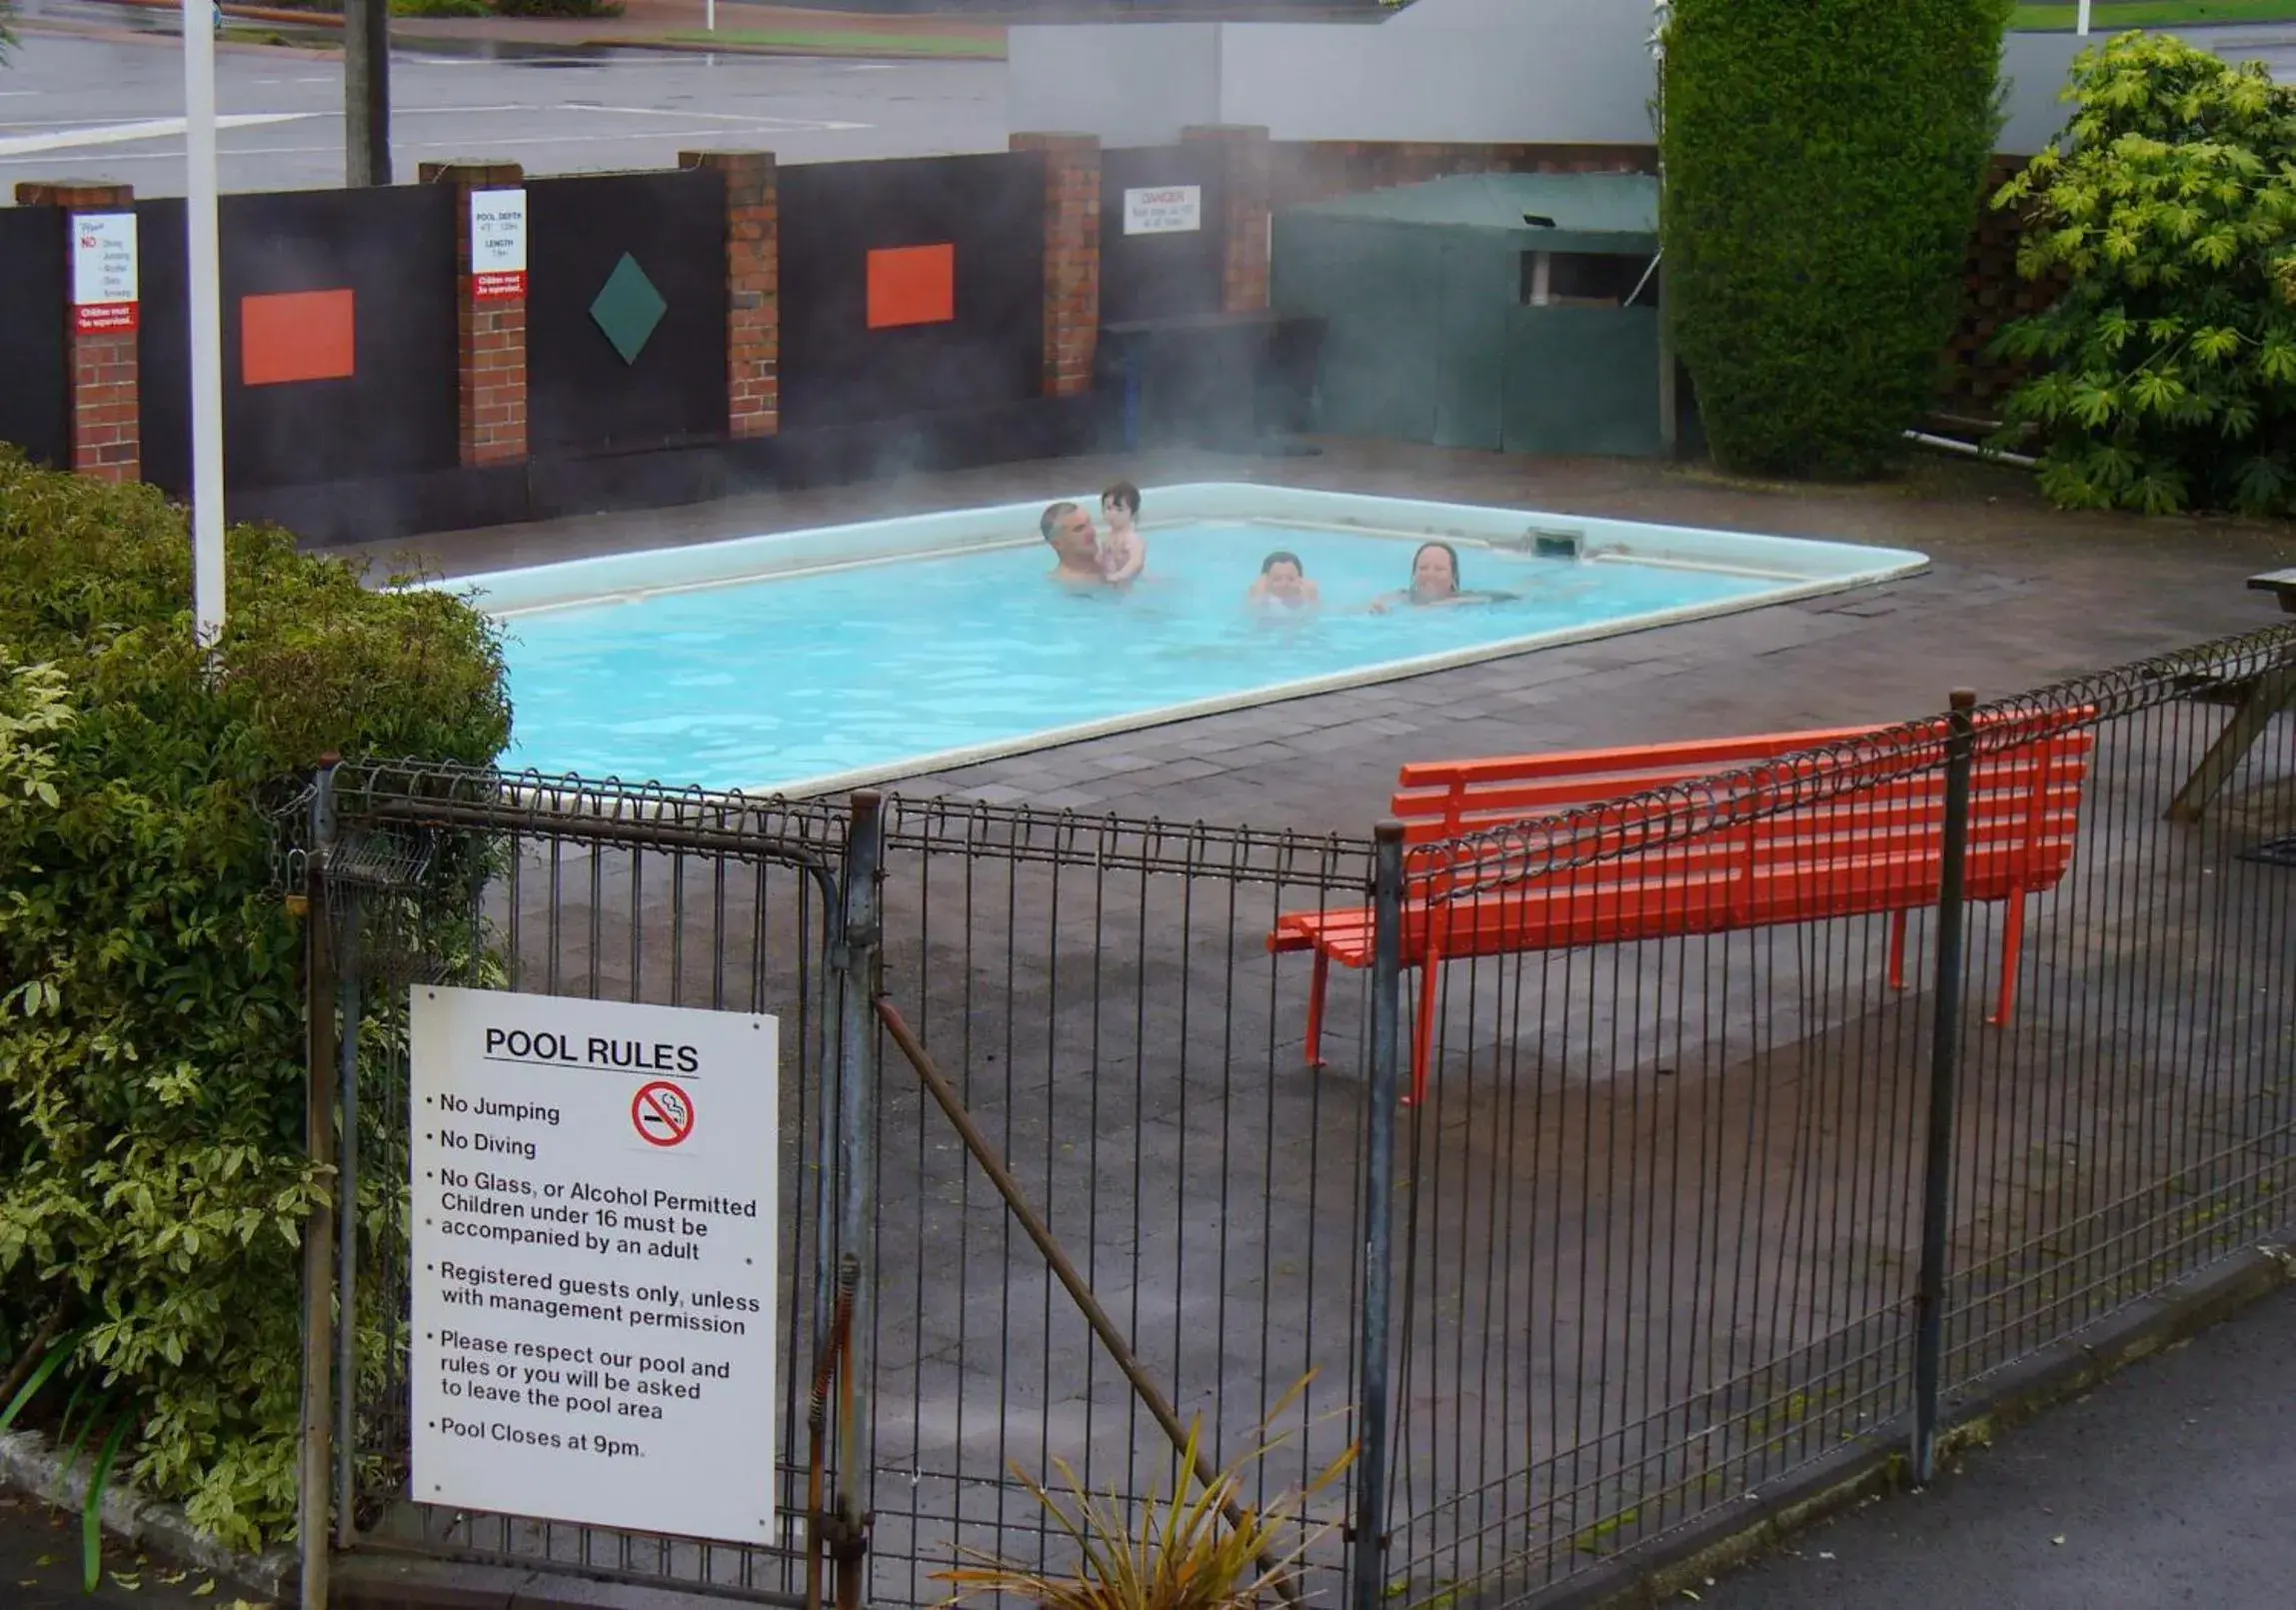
point(30, 1464)
point(1876, 1463)
point(400, 1582)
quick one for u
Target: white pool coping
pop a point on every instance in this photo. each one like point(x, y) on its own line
point(1801, 568)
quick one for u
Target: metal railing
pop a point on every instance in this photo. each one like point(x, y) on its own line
point(1703, 1185)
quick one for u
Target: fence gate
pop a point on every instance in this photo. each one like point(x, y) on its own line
point(589, 890)
point(1054, 1180)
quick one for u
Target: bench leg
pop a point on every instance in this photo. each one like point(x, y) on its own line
point(1898, 948)
point(1424, 1030)
point(1315, 1009)
point(2012, 947)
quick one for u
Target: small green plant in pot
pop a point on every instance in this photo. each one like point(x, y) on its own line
point(1204, 1548)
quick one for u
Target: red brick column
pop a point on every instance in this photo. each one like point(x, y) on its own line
point(753, 287)
point(489, 326)
point(1072, 257)
point(1246, 163)
point(105, 404)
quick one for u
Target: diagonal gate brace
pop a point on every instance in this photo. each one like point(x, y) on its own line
point(1103, 1327)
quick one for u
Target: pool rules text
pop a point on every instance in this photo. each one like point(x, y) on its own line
point(593, 1200)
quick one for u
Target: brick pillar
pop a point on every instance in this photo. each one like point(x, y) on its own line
point(1245, 167)
point(753, 287)
point(1072, 257)
point(106, 424)
point(490, 325)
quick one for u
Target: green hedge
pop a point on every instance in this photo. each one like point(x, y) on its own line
point(152, 1178)
point(1824, 166)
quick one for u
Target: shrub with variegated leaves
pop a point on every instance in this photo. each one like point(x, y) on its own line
point(2164, 374)
point(153, 1178)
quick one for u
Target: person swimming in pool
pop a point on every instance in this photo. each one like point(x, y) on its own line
point(1123, 552)
point(1434, 582)
point(1069, 532)
point(1282, 584)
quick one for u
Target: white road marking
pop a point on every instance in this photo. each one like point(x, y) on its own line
point(125, 132)
point(759, 119)
point(460, 142)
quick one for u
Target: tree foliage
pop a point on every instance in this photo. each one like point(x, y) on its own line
point(1825, 165)
point(2165, 372)
point(153, 1183)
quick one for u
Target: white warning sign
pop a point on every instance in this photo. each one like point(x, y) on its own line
point(593, 1237)
point(1164, 209)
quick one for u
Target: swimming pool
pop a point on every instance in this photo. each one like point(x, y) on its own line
point(819, 660)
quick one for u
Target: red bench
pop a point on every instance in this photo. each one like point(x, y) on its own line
point(1854, 853)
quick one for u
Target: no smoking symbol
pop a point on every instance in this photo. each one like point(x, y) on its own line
point(662, 1114)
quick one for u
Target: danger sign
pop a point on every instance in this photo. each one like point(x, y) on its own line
point(662, 1113)
point(1164, 210)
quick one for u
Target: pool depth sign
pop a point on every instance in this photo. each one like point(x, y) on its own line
point(593, 1200)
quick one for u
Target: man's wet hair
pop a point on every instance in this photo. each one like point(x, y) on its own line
point(1282, 556)
point(1051, 517)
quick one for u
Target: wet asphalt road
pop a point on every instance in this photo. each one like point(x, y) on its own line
point(79, 108)
point(2170, 1486)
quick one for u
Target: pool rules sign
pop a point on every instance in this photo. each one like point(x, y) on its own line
point(593, 1261)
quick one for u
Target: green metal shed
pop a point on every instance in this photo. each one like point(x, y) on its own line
point(1503, 311)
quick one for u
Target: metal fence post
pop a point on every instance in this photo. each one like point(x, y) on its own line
point(347, 1228)
point(1366, 1563)
point(314, 1500)
point(856, 1182)
point(1944, 1059)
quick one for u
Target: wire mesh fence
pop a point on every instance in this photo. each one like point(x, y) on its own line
point(1752, 1106)
point(1670, 1180)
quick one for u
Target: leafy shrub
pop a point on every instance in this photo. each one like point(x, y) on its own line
point(1826, 161)
point(2166, 369)
point(152, 1176)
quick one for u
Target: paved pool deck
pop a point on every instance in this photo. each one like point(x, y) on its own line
point(2018, 594)
point(1659, 1247)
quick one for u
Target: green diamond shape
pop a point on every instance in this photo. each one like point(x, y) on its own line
point(627, 308)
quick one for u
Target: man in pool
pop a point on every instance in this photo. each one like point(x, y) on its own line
point(1283, 584)
point(1436, 583)
point(1069, 531)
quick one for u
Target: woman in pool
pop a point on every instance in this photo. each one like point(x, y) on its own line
point(1436, 583)
point(1283, 584)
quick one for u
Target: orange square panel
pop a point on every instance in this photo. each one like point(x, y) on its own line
point(912, 285)
point(296, 335)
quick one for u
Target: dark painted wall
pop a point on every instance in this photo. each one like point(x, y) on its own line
point(35, 380)
point(836, 371)
point(393, 414)
point(1161, 276)
point(582, 394)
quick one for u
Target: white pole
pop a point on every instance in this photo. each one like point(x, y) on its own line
point(711, 6)
point(199, 23)
point(2081, 17)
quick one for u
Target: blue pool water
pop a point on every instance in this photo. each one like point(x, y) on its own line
point(771, 683)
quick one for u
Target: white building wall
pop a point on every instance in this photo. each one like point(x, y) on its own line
point(1565, 72)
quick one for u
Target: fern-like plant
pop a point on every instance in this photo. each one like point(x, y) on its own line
point(1181, 1553)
